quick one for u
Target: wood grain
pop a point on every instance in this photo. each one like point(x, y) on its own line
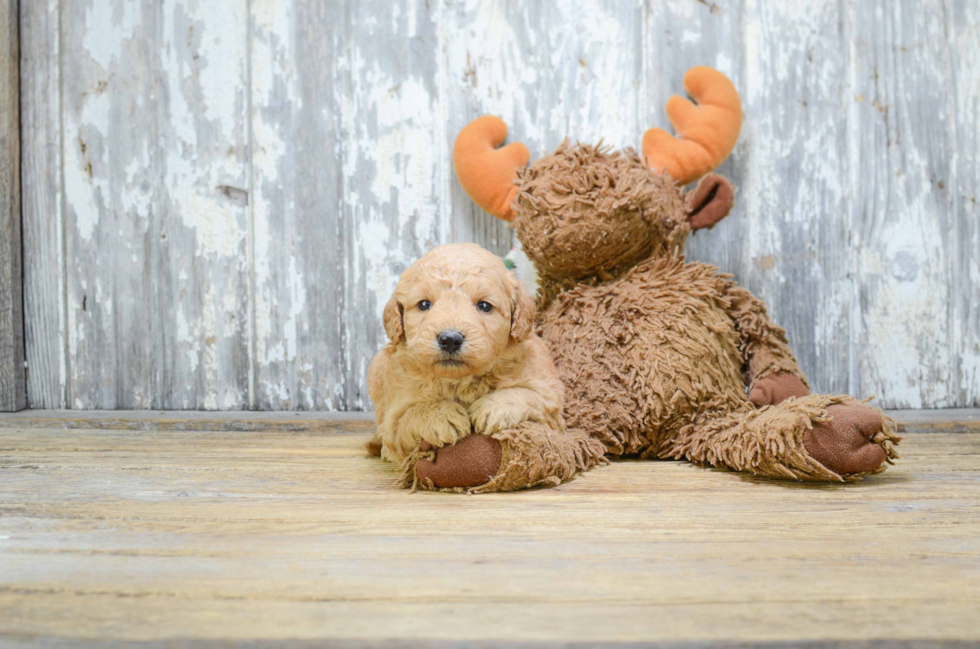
point(298, 357)
point(44, 263)
point(795, 251)
point(287, 160)
point(155, 218)
point(220, 535)
point(13, 384)
point(953, 420)
point(963, 28)
point(901, 216)
point(396, 204)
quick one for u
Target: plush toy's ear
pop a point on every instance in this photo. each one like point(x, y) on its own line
point(710, 202)
point(522, 316)
point(394, 321)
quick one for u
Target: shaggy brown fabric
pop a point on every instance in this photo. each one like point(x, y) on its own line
point(761, 343)
point(769, 441)
point(640, 354)
point(657, 354)
point(586, 214)
point(531, 455)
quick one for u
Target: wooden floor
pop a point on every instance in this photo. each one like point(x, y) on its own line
point(181, 529)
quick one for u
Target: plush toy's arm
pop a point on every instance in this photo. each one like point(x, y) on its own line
point(765, 350)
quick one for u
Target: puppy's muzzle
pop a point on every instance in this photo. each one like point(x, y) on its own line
point(450, 341)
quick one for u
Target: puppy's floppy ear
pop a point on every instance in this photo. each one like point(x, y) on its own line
point(394, 324)
point(522, 316)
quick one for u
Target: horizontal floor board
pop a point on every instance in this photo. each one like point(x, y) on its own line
point(293, 534)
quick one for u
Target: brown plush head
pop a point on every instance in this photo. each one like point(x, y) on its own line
point(585, 211)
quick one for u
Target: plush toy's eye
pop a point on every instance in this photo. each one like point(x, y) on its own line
point(424, 305)
point(486, 307)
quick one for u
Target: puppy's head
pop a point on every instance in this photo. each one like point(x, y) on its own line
point(457, 309)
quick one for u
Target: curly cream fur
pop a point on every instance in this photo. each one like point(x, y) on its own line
point(502, 377)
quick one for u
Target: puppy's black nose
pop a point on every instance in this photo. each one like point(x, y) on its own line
point(450, 341)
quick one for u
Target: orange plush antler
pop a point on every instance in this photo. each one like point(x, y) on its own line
point(486, 172)
point(707, 133)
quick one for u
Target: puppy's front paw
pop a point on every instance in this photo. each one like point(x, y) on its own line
point(489, 415)
point(444, 423)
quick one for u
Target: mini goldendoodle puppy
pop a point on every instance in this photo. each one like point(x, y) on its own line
point(462, 359)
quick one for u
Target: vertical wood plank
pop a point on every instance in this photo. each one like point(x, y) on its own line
point(350, 171)
point(901, 144)
point(678, 36)
point(13, 386)
point(551, 70)
point(787, 236)
point(794, 188)
point(155, 193)
point(396, 165)
point(297, 80)
point(963, 25)
point(44, 263)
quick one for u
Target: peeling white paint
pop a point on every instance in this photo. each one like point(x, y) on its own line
point(840, 223)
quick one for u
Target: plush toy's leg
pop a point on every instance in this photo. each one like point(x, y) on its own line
point(816, 437)
point(529, 455)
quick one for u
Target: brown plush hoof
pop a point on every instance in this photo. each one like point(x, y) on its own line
point(843, 444)
point(470, 462)
point(776, 388)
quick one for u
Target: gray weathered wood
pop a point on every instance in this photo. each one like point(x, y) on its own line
point(13, 386)
point(782, 240)
point(155, 183)
point(297, 253)
point(396, 204)
point(44, 263)
point(963, 28)
point(901, 159)
point(256, 175)
point(949, 420)
point(202, 536)
point(796, 250)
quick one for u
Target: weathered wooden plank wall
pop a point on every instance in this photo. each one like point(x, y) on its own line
point(219, 197)
point(13, 387)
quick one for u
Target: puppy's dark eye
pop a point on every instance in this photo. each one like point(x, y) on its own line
point(424, 305)
point(486, 307)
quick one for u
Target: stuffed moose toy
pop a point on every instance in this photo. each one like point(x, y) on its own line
point(659, 357)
